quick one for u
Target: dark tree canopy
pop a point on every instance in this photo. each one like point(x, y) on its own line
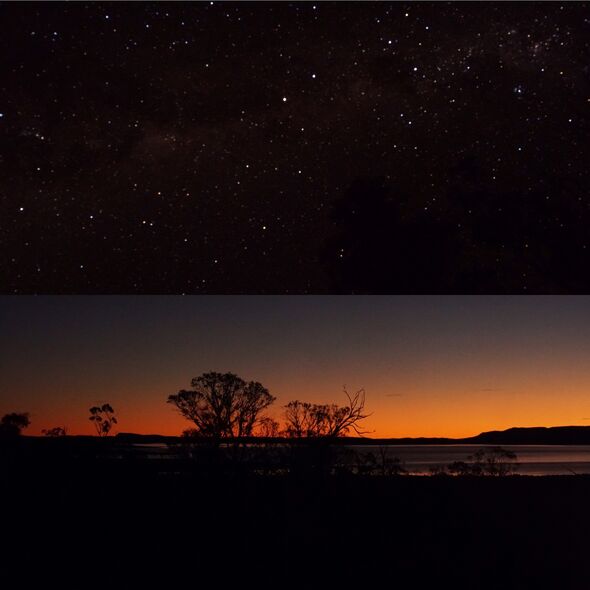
point(13, 424)
point(103, 418)
point(222, 405)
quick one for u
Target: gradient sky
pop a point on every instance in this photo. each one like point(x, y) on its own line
point(431, 366)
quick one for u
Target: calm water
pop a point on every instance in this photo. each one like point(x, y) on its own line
point(533, 459)
point(418, 459)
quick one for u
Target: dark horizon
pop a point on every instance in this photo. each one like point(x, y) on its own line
point(530, 435)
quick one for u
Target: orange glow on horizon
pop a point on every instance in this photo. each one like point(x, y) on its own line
point(453, 414)
point(430, 366)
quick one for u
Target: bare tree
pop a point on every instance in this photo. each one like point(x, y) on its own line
point(103, 418)
point(222, 405)
point(342, 419)
point(326, 420)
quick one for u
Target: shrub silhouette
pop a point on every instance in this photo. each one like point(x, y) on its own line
point(494, 461)
point(385, 465)
point(54, 432)
point(363, 462)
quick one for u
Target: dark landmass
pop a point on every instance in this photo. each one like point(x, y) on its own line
point(539, 435)
point(556, 435)
point(277, 517)
point(84, 501)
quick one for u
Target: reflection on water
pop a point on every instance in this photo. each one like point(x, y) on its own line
point(419, 459)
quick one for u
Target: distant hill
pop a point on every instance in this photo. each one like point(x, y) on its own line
point(539, 435)
point(555, 435)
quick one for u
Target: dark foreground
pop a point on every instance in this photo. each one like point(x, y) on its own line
point(126, 520)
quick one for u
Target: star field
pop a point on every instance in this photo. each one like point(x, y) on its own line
point(294, 147)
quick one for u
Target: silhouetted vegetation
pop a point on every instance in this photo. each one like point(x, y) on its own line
point(302, 497)
point(287, 525)
point(222, 405)
point(13, 424)
point(103, 418)
point(486, 461)
point(325, 420)
point(54, 432)
point(380, 463)
point(268, 427)
point(384, 464)
point(318, 425)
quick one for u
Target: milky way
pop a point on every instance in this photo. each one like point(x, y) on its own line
point(294, 147)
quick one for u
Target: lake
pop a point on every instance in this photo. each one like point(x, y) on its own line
point(533, 459)
point(418, 459)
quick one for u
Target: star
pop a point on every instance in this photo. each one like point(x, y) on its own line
point(161, 146)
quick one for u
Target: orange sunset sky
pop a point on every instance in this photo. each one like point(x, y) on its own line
point(430, 366)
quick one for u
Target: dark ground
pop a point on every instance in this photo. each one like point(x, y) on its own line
point(126, 520)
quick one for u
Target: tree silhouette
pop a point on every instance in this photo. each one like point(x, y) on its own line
point(222, 405)
point(13, 424)
point(54, 432)
point(103, 418)
point(302, 419)
point(325, 420)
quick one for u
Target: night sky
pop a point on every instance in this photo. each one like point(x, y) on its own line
point(294, 147)
point(430, 366)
